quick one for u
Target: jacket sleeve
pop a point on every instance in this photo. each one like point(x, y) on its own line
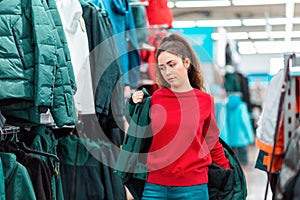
point(45, 55)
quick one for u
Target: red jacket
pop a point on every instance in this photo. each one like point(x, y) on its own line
point(158, 13)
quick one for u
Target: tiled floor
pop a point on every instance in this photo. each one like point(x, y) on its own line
point(256, 179)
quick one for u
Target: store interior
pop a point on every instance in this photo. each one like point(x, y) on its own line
point(97, 53)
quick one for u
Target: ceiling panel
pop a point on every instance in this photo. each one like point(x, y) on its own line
point(265, 12)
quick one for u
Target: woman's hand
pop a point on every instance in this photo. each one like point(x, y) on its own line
point(137, 96)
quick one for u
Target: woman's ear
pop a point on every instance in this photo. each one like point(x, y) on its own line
point(187, 63)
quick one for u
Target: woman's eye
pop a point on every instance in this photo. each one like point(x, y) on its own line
point(171, 64)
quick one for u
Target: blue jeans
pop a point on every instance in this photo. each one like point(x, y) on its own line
point(195, 192)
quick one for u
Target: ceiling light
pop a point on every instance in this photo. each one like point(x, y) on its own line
point(295, 34)
point(246, 48)
point(218, 23)
point(258, 35)
point(254, 22)
point(237, 35)
point(250, 50)
point(184, 24)
point(277, 21)
point(197, 4)
point(217, 36)
point(296, 20)
point(277, 34)
point(266, 47)
point(259, 2)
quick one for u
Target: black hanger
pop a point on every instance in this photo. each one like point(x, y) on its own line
point(23, 147)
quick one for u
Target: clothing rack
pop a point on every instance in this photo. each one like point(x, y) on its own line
point(290, 96)
point(9, 130)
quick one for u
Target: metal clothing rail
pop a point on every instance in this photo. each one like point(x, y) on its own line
point(286, 105)
point(9, 130)
point(290, 96)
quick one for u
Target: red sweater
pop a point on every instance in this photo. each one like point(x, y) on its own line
point(185, 138)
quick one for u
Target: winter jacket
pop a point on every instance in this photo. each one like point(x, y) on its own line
point(27, 53)
point(17, 181)
point(120, 14)
point(131, 167)
point(39, 73)
point(2, 183)
point(41, 138)
point(106, 70)
point(159, 13)
point(84, 156)
point(239, 127)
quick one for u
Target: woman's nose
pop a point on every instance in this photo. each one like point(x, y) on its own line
point(168, 70)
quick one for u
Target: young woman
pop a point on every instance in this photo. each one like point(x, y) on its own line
point(185, 134)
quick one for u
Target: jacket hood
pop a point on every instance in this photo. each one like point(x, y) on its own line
point(233, 102)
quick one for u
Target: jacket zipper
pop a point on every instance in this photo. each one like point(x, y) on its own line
point(18, 47)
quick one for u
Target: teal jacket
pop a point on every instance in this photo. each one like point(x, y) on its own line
point(131, 163)
point(36, 71)
point(17, 181)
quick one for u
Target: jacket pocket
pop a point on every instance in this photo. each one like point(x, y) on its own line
point(69, 101)
point(18, 47)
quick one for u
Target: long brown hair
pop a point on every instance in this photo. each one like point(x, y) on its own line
point(179, 46)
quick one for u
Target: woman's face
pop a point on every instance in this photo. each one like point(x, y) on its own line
point(174, 70)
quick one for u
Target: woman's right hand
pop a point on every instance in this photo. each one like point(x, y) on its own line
point(137, 96)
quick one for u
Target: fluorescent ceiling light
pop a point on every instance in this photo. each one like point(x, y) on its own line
point(277, 34)
point(198, 4)
point(268, 47)
point(217, 36)
point(295, 34)
point(244, 44)
point(258, 35)
point(254, 22)
point(237, 35)
point(259, 2)
point(184, 24)
point(296, 20)
point(246, 48)
point(277, 21)
point(219, 23)
point(265, 47)
point(250, 50)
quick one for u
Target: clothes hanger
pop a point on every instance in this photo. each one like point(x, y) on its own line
point(23, 147)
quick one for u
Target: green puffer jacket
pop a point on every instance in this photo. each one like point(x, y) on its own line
point(35, 67)
point(27, 47)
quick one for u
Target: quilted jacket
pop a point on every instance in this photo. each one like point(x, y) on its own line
point(35, 68)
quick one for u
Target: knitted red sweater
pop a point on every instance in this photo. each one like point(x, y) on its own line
point(185, 138)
